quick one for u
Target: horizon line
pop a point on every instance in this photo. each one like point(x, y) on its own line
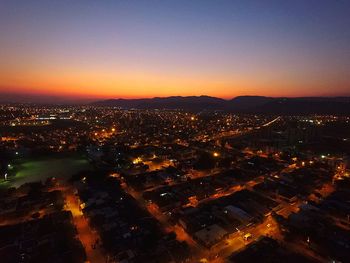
point(62, 99)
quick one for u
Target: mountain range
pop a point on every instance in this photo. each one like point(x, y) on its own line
point(243, 104)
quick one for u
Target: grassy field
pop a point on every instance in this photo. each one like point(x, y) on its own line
point(39, 169)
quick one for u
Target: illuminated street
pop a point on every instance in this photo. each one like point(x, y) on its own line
point(87, 236)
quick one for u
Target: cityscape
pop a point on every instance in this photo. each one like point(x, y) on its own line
point(127, 135)
point(131, 185)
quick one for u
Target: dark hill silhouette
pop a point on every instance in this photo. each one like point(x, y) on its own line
point(340, 105)
point(248, 104)
point(176, 102)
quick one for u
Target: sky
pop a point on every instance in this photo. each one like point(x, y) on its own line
point(137, 49)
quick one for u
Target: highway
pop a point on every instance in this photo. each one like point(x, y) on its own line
point(271, 122)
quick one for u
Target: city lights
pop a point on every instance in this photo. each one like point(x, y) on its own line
point(174, 131)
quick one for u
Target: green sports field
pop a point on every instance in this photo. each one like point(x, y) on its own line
point(39, 169)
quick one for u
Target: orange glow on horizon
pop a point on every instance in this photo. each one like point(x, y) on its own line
point(131, 88)
point(105, 83)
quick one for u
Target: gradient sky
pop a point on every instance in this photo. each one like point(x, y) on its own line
point(132, 48)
